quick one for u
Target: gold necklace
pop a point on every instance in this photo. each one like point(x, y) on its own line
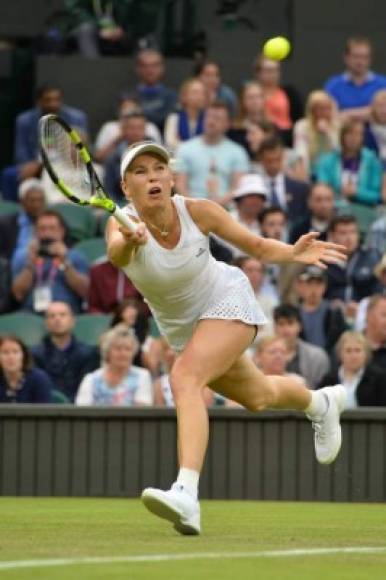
point(164, 233)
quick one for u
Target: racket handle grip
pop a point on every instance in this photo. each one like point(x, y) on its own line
point(124, 219)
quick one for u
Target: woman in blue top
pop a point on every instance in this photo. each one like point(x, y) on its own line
point(20, 382)
point(353, 172)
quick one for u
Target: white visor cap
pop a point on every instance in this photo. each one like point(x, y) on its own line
point(144, 147)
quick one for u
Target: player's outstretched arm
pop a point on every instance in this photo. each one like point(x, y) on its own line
point(123, 243)
point(212, 218)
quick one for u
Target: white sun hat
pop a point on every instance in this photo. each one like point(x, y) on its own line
point(250, 184)
point(138, 149)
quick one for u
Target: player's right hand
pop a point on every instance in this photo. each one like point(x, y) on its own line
point(137, 238)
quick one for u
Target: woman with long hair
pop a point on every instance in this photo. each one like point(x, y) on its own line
point(318, 132)
point(20, 380)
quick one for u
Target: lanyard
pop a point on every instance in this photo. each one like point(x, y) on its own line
point(39, 268)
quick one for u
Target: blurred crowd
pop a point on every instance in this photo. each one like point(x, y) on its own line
point(280, 167)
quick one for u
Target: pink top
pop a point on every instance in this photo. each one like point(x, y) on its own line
point(277, 109)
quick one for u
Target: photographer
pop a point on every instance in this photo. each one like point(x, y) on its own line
point(47, 270)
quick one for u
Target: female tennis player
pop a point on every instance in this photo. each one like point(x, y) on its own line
point(208, 313)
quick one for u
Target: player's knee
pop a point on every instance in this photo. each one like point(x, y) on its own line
point(183, 382)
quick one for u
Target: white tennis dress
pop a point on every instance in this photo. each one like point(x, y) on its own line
point(186, 284)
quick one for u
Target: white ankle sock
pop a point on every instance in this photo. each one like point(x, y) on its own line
point(318, 405)
point(189, 479)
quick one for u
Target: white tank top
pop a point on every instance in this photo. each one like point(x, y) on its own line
point(177, 284)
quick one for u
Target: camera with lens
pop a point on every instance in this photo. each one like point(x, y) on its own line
point(44, 247)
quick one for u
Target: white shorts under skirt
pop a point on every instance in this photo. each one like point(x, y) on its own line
point(235, 302)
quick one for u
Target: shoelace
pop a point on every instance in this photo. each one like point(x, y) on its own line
point(317, 427)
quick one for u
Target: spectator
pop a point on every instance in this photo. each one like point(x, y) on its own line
point(156, 100)
point(249, 198)
point(353, 172)
point(49, 99)
point(255, 135)
point(111, 134)
point(318, 132)
point(271, 356)
point(210, 75)
point(265, 292)
point(211, 165)
point(60, 354)
point(250, 111)
point(163, 395)
point(354, 279)
point(376, 235)
point(20, 381)
point(276, 102)
point(112, 27)
point(273, 223)
point(188, 121)
point(17, 229)
point(133, 129)
point(307, 360)
point(354, 89)
point(108, 287)
point(134, 313)
point(361, 314)
point(375, 133)
point(364, 383)
point(321, 323)
point(48, 270)
point(321, 206)
point(117, 382)
point(376, 329)
point(288, 194)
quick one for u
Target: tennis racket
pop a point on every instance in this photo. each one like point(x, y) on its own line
point(68, 163)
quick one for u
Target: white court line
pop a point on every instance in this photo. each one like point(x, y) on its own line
point(193, 556)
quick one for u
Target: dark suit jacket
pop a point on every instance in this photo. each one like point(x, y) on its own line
point(297, 194)
point(301, 227)
point(371, 391)
point(9, 230)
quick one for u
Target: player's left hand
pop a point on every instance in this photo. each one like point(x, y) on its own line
point(309, 250)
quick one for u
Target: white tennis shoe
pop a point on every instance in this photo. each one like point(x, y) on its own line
point(175, 505)
point(328, 432)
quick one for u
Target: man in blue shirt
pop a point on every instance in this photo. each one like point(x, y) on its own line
point(47, 270)
point(354, 89)
point(210, 166)
point(49, 99)
point(156, 100)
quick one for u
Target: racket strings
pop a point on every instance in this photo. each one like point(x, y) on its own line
point(66, 160)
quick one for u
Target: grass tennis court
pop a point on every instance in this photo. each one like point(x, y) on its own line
point(41, 529)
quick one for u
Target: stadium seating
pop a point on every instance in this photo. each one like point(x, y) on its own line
point(93, 249)
point(89, 327)
point(8, 207)
point(80, 221)
point(364, 214)
point(27, 326)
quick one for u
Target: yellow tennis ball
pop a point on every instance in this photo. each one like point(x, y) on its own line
point(277, 48)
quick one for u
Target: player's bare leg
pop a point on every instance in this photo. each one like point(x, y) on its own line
point(214, 356)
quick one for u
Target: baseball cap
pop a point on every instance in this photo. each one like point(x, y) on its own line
point(250, 184)
point(139, 148)
point(312, 273)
